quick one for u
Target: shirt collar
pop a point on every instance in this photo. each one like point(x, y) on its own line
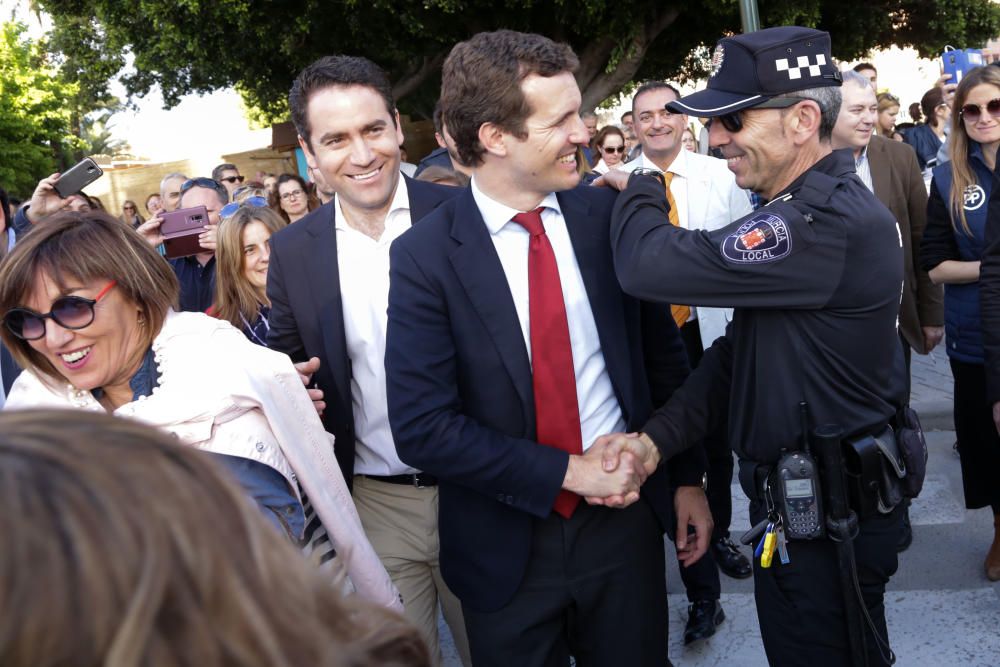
point(679, 166)
point(863, 156)
point(400, 202)
point(496, 215)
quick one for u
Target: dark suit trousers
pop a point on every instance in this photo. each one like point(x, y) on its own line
point(701, 580)
point(594, 588)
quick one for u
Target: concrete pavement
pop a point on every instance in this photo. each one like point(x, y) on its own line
point(941, 609)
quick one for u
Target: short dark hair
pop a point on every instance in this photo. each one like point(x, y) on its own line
point(225, 166)
point(207, 183)
point(651, 86)
point(331, 71)
point(627, 113)
point(437, 118)
point(481, 83)
point(864, 66)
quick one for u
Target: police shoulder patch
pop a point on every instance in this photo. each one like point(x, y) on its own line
point(763, 238)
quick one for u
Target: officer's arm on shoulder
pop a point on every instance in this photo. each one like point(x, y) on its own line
point(700, 404)
point(772, 258)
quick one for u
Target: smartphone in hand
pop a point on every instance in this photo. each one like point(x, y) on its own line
point(77, 177)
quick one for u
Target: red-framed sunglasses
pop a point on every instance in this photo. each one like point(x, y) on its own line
point(69, 312)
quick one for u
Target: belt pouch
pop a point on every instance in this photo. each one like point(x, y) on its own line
point(875, 471)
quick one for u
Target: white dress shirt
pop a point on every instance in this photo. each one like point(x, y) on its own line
point(864, 169)
point(600, 412)
point(363, 263)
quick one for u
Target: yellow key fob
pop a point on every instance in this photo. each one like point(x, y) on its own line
point(770, 542)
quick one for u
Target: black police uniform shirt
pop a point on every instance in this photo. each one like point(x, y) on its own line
point(815, 277)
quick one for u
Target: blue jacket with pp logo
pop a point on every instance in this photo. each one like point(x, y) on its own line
point(963, 326)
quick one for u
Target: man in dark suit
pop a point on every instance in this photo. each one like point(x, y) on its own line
point(510, 349)
point(890, 170)
point(328, 282)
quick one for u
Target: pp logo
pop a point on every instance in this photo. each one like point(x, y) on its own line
point(975, 196)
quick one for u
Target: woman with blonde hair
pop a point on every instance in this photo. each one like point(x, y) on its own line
point(121, 547)
point(888, 109)
point(241, 260)
point(87, 307)
point(950, 252)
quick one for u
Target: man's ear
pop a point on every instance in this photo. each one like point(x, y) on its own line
point(399, 127)
point(493, 139)
point(804, 121)
point(307, 151)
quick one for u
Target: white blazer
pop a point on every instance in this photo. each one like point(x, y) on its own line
point(221, 393)
point(713, 201)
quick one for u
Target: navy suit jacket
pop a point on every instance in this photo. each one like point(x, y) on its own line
point(307, 314)
point(460, 393)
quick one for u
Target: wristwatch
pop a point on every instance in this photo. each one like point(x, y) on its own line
point(642, 171)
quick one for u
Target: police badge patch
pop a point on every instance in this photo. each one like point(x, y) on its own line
point(762, 238)
point(717, 57)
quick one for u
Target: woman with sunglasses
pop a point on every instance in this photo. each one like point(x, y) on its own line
point(610, 143)
point(242, 256)
point(130, 214)
point(950, 251)
point(88, 314)
point(926, 139)
point(292, 199)
point(888, 109)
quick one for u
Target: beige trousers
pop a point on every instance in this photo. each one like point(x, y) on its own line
point(401, 523)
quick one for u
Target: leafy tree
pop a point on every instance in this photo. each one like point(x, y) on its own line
point(259, 46)
point(34, 111)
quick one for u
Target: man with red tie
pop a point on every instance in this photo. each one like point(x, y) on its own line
point(510, 349)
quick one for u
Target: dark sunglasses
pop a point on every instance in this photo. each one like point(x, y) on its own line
point(613, 149)
point(255, 202)
point(232, 179)
point(200, 182)
point(69, 312)
point(733, 122)
point(972, 112)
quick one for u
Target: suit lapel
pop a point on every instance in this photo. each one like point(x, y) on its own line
point(590, 237)
point(478, 268)
point(880, 169)
point(324, 273)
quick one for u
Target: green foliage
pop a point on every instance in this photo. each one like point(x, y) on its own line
point(259, 45)
point(34, 112)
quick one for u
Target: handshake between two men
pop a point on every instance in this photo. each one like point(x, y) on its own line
point(613, 469)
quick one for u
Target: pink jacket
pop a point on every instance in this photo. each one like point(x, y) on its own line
point(221, 393)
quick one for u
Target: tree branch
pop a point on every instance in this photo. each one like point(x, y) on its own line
point(593, 60)
point(415, 76)
point(604, 84)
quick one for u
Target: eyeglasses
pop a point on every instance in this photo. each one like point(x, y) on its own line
point(733, 122)
point(973, 112)
point(129, 208)
point(292, 194)
point(232, 179)
point(69, 312)
point(613, 149)
point(254, 202)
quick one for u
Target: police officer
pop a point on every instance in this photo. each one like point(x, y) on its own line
point(815, 277)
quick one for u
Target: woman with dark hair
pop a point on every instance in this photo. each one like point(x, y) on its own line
point(950, 252)
point(121, 547)
point(88, 314)
point(610, 145)
point(292, 199)
point(926, 139)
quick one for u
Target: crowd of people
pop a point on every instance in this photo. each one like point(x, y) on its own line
point(491, 382)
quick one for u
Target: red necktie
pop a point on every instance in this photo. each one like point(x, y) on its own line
point(557, 415)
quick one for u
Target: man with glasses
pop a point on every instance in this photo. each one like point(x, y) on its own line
point(703, 195)
point(227, 174)
point(815, 277)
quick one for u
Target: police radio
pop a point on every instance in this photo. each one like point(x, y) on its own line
point(797, 491)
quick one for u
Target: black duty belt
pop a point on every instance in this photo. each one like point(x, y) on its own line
point(418, 480)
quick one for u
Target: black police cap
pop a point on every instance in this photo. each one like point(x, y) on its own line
point(749, 69)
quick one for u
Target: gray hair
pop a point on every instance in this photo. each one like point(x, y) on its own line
point(172, 175)
point(828, 98)
point(859, 80)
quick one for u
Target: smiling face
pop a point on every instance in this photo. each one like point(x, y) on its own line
point(660, 131)
point(355, 144)
point(256, 243)
point(856, 120)
point(986, 129)
point(544, 160)
point(762, 154)
point(101, 355)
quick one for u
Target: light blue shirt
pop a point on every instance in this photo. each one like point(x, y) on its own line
point(864, 169)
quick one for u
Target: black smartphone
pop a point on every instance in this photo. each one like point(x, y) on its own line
point(77, 177)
